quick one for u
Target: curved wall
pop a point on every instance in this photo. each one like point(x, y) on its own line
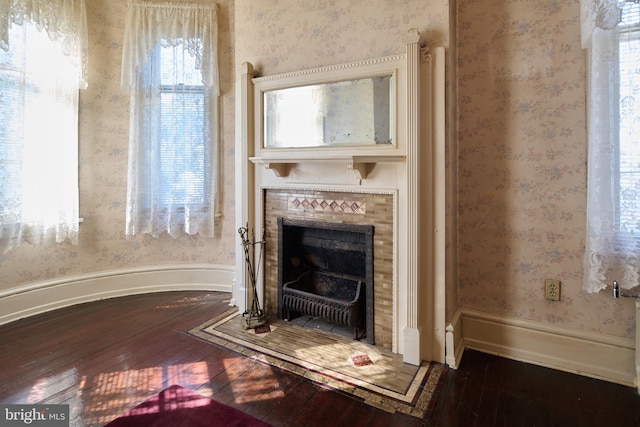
point(35, 279)
point(36, 298)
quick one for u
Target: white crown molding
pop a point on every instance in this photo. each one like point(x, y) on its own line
point(585, 353)
point(40, 297)
point(330, 68)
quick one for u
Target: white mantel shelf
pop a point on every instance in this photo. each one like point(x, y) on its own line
point(358, 164)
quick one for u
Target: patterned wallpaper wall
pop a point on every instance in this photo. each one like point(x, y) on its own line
point(522, 170)
point(104, 127)
point(287, 35)
point(522, 142)
point(521, 177)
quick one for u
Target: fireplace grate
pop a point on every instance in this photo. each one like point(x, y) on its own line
point(328, 272)
point(336, 299)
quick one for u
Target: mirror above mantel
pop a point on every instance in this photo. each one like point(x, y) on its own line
point(345, 114)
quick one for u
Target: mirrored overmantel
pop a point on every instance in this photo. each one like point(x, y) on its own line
point(344, 114)
point(353, 112)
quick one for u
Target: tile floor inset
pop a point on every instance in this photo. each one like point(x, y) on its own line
point(327, 352)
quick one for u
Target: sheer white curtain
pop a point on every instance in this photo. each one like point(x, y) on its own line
point(612, 249)
point(64, 21)
point(42, 66)
point(169, 67)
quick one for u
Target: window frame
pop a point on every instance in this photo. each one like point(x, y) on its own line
point(631, 30)
point(29, 84)
point(181, 206)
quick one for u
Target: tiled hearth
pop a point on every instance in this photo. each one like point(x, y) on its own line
point(317, 206)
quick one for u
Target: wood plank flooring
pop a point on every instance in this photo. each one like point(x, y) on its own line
point(103, 358)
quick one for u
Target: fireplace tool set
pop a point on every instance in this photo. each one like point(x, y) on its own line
point(253, 316)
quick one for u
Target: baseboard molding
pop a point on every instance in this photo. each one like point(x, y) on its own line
point(35, 298)
point(591, 354)
point(454, 342)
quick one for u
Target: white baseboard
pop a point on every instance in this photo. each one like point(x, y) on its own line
point(35, 298)
point(454, 342)
point(590, 354)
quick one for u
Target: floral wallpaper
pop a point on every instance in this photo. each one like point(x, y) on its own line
point(521, 136)
point(103, 145)
point(522, 165)
point(278, 36)
point(521, 144)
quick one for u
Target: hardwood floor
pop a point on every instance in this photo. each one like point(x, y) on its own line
point(103, 358)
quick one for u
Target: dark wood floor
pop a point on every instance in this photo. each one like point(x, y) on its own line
point(105, 357)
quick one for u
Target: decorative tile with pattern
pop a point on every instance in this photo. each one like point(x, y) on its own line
point(325, 205)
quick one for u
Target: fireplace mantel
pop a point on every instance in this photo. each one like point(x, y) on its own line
point(411, 168)
point(358, 164)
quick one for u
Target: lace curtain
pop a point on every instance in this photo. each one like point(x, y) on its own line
point(192, 26)
point(42, 55)
point(64, 21)
point(612, 249)
point(169, 67)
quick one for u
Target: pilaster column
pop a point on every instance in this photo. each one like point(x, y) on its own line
point(412, 333)
point(244, 172)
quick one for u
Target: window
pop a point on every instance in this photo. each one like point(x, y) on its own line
point(628, 107)
point(173, 138)
point(184, 110)
point(176, 114)
point(40, 74)
point(611, 33)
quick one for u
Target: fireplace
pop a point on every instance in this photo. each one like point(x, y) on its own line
point(375, 209)
point(325, 270)
point(399, 188)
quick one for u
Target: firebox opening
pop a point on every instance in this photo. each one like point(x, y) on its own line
point(325, 270)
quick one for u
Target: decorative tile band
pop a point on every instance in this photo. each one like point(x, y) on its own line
point(324, 205)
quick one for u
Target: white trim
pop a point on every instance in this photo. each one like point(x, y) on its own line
point(454, 341)
point(40, 297)
point(411, 214)
point(335, 72)
point(638, 345)
point(244, 172)
point(436, 197)
point(590, 354)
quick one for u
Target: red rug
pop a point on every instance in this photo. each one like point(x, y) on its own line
point(178, 406)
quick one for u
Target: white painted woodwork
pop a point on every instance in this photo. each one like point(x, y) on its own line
point(406, 168)
point(243, 173)
point(586, 353)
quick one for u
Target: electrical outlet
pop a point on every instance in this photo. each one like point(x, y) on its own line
point(552, 289)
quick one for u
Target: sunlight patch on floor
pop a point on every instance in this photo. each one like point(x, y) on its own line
point(121, 390)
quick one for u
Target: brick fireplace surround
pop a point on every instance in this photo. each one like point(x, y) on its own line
point(377, 211)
